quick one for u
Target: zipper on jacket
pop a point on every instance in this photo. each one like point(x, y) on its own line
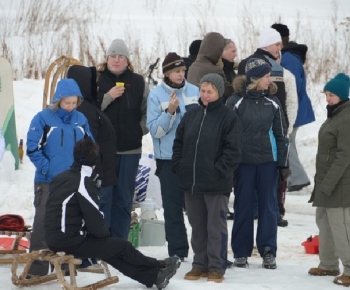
point(195, 153)
point(75, 136)
point(62, 137)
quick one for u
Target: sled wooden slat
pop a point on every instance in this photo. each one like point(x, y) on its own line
point(57, 70)
point(57, 259)
point(7, 255)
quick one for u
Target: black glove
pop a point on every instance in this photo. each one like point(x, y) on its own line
point(284, 173)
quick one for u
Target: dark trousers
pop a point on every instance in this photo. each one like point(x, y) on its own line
point(173, 200)
point(120, 254)
point(123, 194)
point(38, 239)
point(262, 179)
point(281, 188)
point(207, 215)
point(106, 202)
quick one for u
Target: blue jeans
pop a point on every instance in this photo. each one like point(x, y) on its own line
point(123, 194)
point(106, 201)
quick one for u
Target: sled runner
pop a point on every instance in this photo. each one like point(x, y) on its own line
point(56, 259)
point(57, 70)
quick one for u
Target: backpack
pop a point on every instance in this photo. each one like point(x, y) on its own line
point(12, 222)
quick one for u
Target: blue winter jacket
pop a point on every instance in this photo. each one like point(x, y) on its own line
point(161, 124)
point(53, 133)
point(293, 63)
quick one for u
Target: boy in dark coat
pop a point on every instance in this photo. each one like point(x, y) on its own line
point(74, 224)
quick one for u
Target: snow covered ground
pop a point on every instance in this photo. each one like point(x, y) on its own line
point(16, 187)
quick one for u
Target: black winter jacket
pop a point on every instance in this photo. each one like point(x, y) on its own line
point(263, 123)
point(124, 112)
point(103, 132)
point(207, 149)
point(100, 125)
point(276, 76)
point(72, 209)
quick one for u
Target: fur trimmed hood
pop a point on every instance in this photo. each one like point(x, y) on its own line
point(240, 83)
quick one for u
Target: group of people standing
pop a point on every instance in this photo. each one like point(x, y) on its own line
point(214, 131)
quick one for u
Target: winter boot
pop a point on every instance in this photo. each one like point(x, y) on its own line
point(323, 272)
point(195, 274)
point(241, 262)
point(342, 280)
point(165, 274)
point(215, 276)
point(269, 261)
point(282, 222)
point(168, 261)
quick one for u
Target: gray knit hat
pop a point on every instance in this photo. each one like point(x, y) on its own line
point(216, 80)
point(118, 47)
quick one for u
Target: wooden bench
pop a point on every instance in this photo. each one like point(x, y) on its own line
point(57, 259)
point(7, 255)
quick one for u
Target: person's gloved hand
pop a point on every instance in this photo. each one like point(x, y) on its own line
point(284, 173)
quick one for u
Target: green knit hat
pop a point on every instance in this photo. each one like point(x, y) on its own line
point(339, 85)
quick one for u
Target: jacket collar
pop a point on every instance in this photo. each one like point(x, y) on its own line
point(170, 90)
point(211, 106)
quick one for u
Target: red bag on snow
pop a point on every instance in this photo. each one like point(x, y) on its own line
point(12, 222)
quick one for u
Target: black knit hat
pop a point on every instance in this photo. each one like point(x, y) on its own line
point(281, 28)
point(86, 152)
point(194, 47)
point(256, 68)
point(172, 62)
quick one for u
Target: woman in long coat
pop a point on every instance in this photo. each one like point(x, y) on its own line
point(332, 183)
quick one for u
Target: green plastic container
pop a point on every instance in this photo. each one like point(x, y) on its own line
point(134, 234)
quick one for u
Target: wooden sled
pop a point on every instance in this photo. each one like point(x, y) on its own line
point(57, 259)
point(17, 246)
point(57, 70)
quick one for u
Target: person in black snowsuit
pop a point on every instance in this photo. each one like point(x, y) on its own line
point(74, 224)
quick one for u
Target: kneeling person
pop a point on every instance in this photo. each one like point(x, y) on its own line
point(74, 224)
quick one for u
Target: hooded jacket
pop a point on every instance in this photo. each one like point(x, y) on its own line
point(207, 60)
point(52, 135)
point(263, 124)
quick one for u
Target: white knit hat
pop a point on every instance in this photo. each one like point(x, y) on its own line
point(268, 36)
point(118, 47)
